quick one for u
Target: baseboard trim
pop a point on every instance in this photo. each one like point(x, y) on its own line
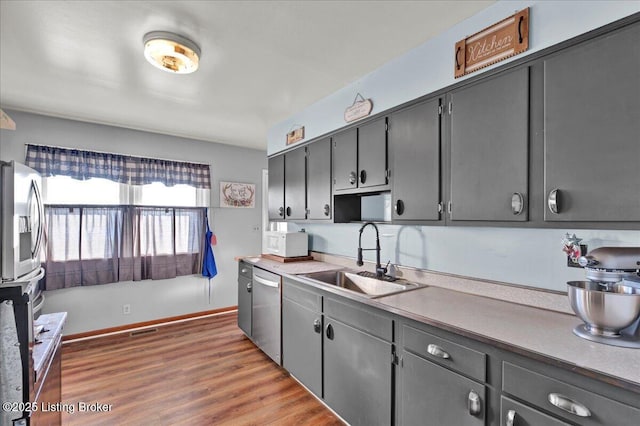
point(145, 324)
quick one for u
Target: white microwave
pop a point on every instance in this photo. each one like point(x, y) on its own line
point(287, 244)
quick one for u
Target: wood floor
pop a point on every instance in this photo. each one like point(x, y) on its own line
point(200, 372)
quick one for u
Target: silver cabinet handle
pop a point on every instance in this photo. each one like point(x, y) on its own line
point(436, 350)
point(553, 201)
point(511, 418)
point(474, 403)
point(327, 209)
point(352, 178)
point(281, 211)
point(517, 203)
point(569, 405)
point(266, 282)
point(244, 270)
point(249, 287)
point(317, 325)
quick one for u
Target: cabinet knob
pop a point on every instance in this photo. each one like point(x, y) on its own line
point(474, 403)
point(363, 176)
point(568, 405)
point(511, 418)
point(436, 350)
point(317, 325)
point(553, 201)
point(249, 287)
point(288, 211)
point(327, 209)
point(517, 203)
point(399, 207)
point(329, 332)
point(352, 178)
point(281, 211)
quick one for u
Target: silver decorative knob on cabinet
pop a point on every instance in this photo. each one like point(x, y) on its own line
point(327, 209)
point(352, 178)
point(474, 403)
point(517, 203)
point(553, 201)
point(317, 325)
point(436, 350)
point(511, 418)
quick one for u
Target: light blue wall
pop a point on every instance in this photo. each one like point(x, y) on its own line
point(97, 307)
point(530, 257)
point(429, 67)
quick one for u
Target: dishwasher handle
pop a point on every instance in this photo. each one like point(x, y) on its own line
point(268, 283)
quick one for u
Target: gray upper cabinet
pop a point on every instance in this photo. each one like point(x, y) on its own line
point(592, 130)
point(414, 142)
point(372, 154)
point(489, 149)
point(319, 179)
point(345, 160)
point(295, 175)
point(360, 157)
point(276, 188)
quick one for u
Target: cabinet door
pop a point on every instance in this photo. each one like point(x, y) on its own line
point(372, 154)
point(319, 179)
point(295, 174)
point(276, 188)
point(345, 160)
point(302, 344)
point(414, 138)
point(592, 129)
point(357, 375)
point(433, 395)
point(489, 149)
point(244, 304)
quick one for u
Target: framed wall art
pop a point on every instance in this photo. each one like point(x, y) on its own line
point(237, 195)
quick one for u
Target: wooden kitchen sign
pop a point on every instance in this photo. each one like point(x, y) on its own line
point(295, 135)
point(359, 109)
point(507, 38)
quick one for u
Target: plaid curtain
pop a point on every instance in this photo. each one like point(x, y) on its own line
point(83, 165)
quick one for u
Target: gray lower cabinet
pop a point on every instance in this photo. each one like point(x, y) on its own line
point(319, 180)
point(433, 395)
point(414, 143)
point(357, 374)
point(245, 304)
point(302, 335)
point(490, 149)
point(592, 130)
point(295, 176)
point(276, 188)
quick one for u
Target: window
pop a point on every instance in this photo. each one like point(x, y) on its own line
point(113, 218)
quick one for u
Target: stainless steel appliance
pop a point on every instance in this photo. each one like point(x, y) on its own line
point(266, 321)
point(21, 235)
point(609, 303)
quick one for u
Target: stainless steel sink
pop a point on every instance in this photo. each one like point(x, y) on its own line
point(351, 281)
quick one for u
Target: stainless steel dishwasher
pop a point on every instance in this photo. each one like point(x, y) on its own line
point(265, 322)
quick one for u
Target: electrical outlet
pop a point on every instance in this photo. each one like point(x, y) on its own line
point(126, 309)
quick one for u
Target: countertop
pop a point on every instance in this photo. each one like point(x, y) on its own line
point(542, 334)
point(49, 338)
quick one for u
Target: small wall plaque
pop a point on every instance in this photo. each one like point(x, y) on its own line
point(295, 135)
point(359, 109)
point(502, 40)
point(237, 195)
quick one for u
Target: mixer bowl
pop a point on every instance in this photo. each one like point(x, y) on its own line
point(604, 312)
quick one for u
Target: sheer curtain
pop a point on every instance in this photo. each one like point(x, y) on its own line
point(99, 245)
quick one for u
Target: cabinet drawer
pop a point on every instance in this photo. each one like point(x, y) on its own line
point(293, 290)
point(538, 390)
point(452, 355)
point(360, 318)
point(245, 269)
point(522, 415)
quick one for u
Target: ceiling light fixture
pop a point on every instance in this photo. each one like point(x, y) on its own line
point(171, 52)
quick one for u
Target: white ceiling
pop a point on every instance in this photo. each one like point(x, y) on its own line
point(262, 61)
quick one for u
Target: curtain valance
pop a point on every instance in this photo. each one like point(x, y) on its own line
point(83, 165)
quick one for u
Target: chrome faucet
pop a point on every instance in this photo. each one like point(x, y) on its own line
point(380, 271)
